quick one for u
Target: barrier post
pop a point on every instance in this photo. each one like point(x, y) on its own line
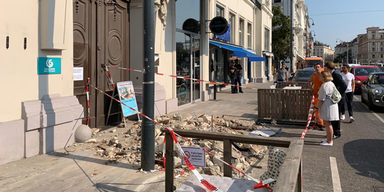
point(169, 162)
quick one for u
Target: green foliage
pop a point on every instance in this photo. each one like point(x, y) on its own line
point(341, 58)
point(281, 30)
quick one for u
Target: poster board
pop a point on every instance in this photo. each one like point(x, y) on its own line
point(127, 96)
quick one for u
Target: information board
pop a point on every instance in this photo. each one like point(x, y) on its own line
point(127, 96)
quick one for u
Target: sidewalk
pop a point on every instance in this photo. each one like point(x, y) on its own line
point(82, 171)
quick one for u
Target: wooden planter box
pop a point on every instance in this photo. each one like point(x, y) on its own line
point(280, 104)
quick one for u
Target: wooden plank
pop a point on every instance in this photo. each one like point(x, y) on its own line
point(227, 157)
point(259, 104)
point(234, 138)
point(273, 104)
point(169, 162)
point(278, 104)
point(291, 169)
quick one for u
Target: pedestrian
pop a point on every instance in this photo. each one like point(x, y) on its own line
point(314, 84)
point(232, 72)
point(328, 110)
point(341, 87)
point(238, 72)
point(349, 79)
point(282, 74)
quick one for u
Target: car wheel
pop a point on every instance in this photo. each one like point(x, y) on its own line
point(370, 104)
point(362, 99)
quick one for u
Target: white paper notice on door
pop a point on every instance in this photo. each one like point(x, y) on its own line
point(78, 73)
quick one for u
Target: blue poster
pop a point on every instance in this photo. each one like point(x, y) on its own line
point(226, 36)
point(48, 65)
point(127, 96)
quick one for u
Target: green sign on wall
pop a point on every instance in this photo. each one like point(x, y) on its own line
point(48, 65)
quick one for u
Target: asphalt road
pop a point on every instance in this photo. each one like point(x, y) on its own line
point(358, 155)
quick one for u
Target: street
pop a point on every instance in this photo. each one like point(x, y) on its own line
point(358, 153)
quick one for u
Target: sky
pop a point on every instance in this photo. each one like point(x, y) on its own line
point(344, 19)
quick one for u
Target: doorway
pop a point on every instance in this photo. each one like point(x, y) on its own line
point(187, 65)
point(100, 36)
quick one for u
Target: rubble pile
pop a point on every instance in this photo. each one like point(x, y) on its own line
point(124, 144)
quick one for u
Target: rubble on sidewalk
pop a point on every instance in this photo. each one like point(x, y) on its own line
point(124, 144)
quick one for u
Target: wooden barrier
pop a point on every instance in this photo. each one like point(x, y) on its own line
point(287, 84)
point(290, 178)
point(280, 104)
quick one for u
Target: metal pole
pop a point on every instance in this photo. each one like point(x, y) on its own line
point(148, 127)
point(291, 55)
point(347, 52)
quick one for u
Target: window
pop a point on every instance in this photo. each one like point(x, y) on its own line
point(382, 56)
point(219, 11)
point(232, 23)
point(373, 43)
point(373, 49)
point(249, 34)
point(373, 56)
point(277, 1)
point(266, 39)
point(373, 36)
point(241, 32)
point(381, 49)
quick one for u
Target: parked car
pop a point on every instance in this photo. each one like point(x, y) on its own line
point(372, 91)
point(361, 74)
point(302, 75)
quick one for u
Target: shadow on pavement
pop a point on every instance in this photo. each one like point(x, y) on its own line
point(366, 156)
point(94, 160)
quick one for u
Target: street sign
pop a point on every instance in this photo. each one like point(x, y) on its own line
point(218, 25)
point(191, 25)
point(195, 155)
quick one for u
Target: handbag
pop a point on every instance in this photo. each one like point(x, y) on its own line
point(336, 96)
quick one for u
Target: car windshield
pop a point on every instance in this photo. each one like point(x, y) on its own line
point(365, 71)
point(378, 79)
point(311, 63)
point(304, 73)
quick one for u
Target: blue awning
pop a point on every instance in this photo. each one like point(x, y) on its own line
point(238, 51)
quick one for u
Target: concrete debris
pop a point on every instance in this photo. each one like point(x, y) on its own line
point(93, 140)
point(124, 144)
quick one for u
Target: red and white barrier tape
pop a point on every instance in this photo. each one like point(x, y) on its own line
point(88, 106)
point(182, 77)
point(109, 77)
point(188, 163)
point(310, 114)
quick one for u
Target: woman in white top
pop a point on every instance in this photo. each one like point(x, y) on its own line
point(329, 111)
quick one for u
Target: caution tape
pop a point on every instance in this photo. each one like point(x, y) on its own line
point(186, 78)
point(186, 160)
point(110, 80)
point(310, 115)
point(88, 106)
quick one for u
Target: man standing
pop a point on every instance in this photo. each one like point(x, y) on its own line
point(282, 74)
point(341, 87)
point(349, 79)
point(238, 72)
point(232, 71)
point(314, 83)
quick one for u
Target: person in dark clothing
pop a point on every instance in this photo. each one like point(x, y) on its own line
point(232, 72)
point(341, 87)
point(238, 71)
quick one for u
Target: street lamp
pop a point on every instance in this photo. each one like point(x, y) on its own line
point(313, 22)
point(314, 34)
point(341, 41)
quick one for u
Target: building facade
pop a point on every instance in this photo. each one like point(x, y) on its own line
point(371, 46)
point(324, 51)
point(301, 28)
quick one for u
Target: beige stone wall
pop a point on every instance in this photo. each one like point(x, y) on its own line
point(18, 77)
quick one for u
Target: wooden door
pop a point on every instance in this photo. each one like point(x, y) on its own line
point(101, 36)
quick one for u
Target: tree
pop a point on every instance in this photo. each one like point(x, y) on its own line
point(341, 58)
point(281, 30)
